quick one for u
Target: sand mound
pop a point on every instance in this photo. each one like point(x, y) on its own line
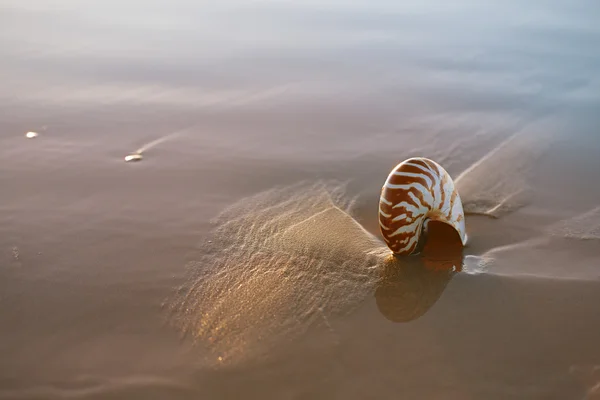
point(585, 226)
point(279, 262)
point(499, 182)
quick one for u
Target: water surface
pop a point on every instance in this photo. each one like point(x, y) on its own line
point(255, 116)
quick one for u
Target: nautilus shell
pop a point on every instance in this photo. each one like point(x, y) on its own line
point(418, 190)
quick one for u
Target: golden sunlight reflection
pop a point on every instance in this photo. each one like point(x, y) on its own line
point(589, 377)
point(290, 259)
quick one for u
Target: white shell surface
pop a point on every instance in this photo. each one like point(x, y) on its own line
point(133, 158)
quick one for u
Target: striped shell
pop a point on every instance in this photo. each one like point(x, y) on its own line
point(416, 191)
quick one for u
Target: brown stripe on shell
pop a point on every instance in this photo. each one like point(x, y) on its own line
point(443, 185)
point(399, 210)
point(406, 180)
point(418, 161)
point(416, 170)
point(432, 166)
point(452, 200)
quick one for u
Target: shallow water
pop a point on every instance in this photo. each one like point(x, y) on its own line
point(267, 129)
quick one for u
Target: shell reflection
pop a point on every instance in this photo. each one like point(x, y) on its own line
point(410, 286)
point(409, 290)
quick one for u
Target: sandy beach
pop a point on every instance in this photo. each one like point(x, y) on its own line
point(241, 257)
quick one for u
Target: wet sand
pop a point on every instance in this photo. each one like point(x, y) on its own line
point(241, 257)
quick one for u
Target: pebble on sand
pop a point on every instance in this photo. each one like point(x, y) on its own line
point(31, 135)
point(133, 157)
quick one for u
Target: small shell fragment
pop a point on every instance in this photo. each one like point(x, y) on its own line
point(31, 135)
point(133, 157)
